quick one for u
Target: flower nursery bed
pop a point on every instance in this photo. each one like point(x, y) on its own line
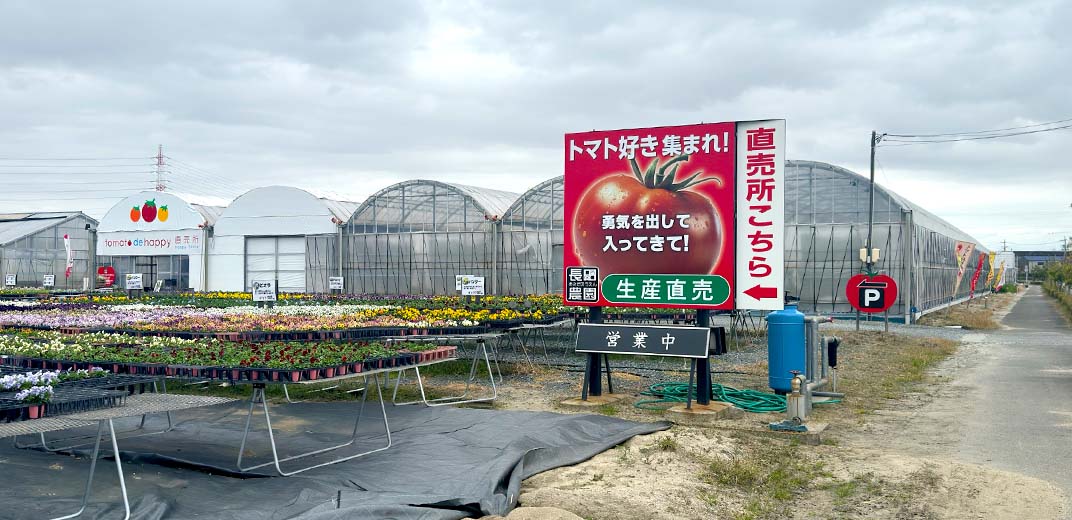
point(279, 361)
point(72, 391)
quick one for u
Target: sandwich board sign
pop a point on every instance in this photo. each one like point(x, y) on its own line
point(685, 216)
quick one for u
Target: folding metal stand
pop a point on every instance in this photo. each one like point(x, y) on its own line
point(135, 405)
point(44, 444)
point(482, 348)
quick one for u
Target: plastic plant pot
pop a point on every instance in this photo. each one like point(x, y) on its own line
point(329, 372)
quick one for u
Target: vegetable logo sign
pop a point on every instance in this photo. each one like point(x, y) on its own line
point(650, 215)
point(148, 212)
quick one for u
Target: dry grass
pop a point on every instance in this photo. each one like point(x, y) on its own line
point(975, 314)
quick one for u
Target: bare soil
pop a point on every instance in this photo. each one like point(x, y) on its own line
point(889, 453)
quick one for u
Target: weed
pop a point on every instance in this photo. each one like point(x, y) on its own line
point(608, 409)
point(667, 444)
point(597, 477)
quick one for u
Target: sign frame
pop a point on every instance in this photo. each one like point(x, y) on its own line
point(586, 328)
point(133, 282)
point(264, 291)
point(737, 242)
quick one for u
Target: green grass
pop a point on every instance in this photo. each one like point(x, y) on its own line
point(608, 409)
point(772, 473)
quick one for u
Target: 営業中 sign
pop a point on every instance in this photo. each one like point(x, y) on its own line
point(133, 282)
point(871, 293)
point(644, 340)
point(472, 286)
point(650, 216)
point(264, 291)
point(9, 280)
point(49, 281)
point(335, 283)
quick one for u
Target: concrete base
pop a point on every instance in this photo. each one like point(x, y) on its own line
point(594, 401)
point(702, 415)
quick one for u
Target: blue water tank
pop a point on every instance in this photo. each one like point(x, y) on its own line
point(785, 347)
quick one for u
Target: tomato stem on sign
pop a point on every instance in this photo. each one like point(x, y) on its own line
point(656, 177)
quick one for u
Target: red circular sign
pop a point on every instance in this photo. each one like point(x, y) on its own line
point(871, 293)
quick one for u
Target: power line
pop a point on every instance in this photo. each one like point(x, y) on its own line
point(976, 138)
point(76, 158)
point(982, 131)
point(78, 173)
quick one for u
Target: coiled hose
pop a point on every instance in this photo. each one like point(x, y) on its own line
point(748, 400)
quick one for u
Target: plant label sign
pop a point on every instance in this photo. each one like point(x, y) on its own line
point(49, 281)
point(264, 291)
point(871, 293)
point(643, 340)
point(9, 280)
point(335, 283)
point(473, 286)
point(133, 282)
point(675, 217)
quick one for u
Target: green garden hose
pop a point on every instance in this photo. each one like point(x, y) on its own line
point(748, 400)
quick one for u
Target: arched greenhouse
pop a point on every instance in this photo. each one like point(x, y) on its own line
point(532, 238)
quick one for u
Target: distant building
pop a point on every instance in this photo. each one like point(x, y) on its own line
point(1031, 261)
point(32, 246)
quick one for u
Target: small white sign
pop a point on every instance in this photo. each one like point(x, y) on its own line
point(472, 286)
point(133, 282)
point(9, 280)
point(264, 291)
point(85, 283)
point(335, 283)
point(158, 285)
point(49, 281)
point(458, 280)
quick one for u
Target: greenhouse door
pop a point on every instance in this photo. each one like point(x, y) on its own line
point(276, 258)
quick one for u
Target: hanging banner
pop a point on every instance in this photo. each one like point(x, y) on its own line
point(999, 280)
point(962, 253)
point(975, 277)
point(990, 275)
point(70, 257)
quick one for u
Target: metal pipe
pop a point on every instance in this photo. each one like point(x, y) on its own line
point(828, 394)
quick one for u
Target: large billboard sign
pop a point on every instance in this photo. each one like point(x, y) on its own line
point(650, 215)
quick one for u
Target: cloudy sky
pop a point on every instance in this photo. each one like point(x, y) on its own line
point(344, 98)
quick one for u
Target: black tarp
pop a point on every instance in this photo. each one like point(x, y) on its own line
point(445, 463)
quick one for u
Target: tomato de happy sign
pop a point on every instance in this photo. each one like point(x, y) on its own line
point(649, 216)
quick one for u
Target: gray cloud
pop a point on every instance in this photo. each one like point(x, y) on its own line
point(353, 96)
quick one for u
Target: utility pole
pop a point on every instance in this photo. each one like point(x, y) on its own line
point(161, 185)
point(875, 139)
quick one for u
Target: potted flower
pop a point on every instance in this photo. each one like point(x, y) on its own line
point(35, 397)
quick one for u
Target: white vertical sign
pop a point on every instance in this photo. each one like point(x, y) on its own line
point(760, 282)
point(9, 280)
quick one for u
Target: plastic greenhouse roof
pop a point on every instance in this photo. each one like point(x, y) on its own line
point(493, 203)
point(14, 226)
point(920, 215)
point(211, 213)
point(342, 209)
point(543, 196)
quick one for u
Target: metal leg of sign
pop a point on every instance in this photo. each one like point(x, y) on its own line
point(258, 396)
point(688, 391)
point(584, 383)
point(593, 372)
point(44, 444)
point(703, 366)
point(886, 319)
point(610, 383)
point(857, 320)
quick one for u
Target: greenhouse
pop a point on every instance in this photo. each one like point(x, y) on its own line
point(826, 226)
point(414, 237)
point(277, 233)
point(32, 245)
point(532, 241)
point(159, 235)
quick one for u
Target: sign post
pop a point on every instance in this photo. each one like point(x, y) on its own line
point(674, 217)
